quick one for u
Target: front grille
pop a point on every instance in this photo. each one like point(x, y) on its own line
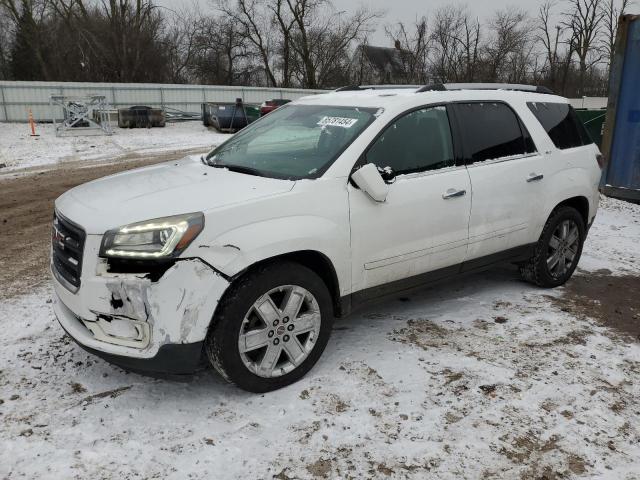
point(67, 243)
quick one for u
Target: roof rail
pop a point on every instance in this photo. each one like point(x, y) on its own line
point(354, 88)
point(349, 88)
point(433, 87)
point(485, 86)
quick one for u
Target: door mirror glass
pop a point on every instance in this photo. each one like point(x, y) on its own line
point(369, 180)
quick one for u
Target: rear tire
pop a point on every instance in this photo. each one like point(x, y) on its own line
point(558, 250)
point(271, 327)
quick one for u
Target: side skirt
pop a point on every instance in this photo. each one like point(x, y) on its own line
point(357, 299)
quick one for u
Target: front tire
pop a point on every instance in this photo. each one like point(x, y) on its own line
point(558, 250)
point(271, 327)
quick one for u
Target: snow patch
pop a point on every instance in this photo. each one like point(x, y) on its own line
point(19, 150)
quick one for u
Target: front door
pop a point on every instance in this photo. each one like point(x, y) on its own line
point(423, 224)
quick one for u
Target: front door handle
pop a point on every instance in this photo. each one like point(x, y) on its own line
point(453, 193)
point(534, 177)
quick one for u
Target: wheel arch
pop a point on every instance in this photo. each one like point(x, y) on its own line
point(580, 203)
point(314, 260)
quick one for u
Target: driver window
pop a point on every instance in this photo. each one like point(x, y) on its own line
point(418, 141)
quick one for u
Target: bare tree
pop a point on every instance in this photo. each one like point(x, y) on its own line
point(286, 23)
point(611, 13)
point(256, 23)
point(549, 36)
point(180, 42)
point(455, 41)
point(7, 35)
point(121, 39)
point(323, 37)
point(307, 43)
point(469, 41)
point(509, 46)
point(584, 22)
point(413, 49)
point(29, 57)
point(446, 28)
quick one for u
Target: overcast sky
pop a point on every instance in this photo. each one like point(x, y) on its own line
point(403, 10)
point(408, 10)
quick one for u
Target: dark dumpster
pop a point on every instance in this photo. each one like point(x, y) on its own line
point(141, 117)
point(621, 139)
point(229, 117)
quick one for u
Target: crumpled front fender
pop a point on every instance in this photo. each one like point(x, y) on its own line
point(133, 314)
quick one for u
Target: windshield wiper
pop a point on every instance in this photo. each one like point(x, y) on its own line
point(238, 168)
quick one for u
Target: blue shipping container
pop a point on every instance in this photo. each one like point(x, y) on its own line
point(621, 144)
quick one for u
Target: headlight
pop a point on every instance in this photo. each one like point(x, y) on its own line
point(158, 238)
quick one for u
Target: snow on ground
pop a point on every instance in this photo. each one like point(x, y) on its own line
point(617, 235)
point(19, 150)
point(480, 377)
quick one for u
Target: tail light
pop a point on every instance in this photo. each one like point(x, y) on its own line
point(601, 160)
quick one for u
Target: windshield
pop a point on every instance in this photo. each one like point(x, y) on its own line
point(294, 141)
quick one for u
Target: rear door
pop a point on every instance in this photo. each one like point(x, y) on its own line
point(574, 160)
point(507, 177)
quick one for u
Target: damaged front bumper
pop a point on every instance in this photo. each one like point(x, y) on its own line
point(136, 321)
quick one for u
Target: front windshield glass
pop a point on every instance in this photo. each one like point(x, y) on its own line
point(294, 141)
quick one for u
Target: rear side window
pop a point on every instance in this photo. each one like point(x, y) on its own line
point(561, 123)
point(491, 131)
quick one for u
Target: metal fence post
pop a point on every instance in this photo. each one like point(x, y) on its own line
point(4, 104)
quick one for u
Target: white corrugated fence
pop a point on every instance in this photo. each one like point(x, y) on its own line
point(16, 98)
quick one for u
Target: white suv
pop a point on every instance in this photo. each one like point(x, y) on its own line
point(245, 256)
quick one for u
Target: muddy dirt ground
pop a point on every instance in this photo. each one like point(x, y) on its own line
point(613, 301)
point(26, 209)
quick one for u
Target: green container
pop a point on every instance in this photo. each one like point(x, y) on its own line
point(252, 112)
point(593, 120)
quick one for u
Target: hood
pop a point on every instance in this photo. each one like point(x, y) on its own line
point(161, 190)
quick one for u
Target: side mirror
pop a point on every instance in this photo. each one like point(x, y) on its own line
point(368, 179)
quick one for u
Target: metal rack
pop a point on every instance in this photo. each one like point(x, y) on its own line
point(81, 114)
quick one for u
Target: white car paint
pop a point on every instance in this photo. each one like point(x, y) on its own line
point(249, 219)
point(162, 190)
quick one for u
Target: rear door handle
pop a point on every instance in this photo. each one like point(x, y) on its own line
point(453, 193)
point(534, 177)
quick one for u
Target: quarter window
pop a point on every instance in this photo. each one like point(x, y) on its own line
point(561, 123)
point(418, 141)
point(491, 131)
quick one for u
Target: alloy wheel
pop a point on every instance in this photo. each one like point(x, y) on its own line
point(279, 331)
point(563, 248)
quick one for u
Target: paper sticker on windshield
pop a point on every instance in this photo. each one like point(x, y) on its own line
point(337, 122)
